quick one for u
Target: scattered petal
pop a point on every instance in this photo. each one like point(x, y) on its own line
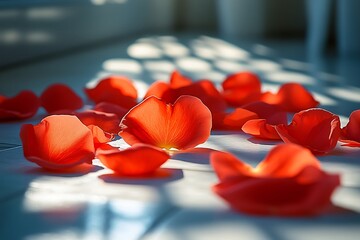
point(181, 125)
point(100, 136)
point(59, 98)
point(58, 142)
point(234, 120)
point(269, 117)
point(177, 80)
point(241, 88)
point(22, 106)
point(288, 182)
point(114, 89)
point(315, 129)
point(350, 134)
point(111, 108)
point(291, 97)
point(108, 122)
point(140, 159)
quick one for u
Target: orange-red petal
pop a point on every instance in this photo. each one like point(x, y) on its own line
point(111, 108)
point(59, 98)
point(288, 182)
point(177, 80)
point(291, 97)
point(241, 88)
point(114, 89)
point(140, 159)
point(24, 105)
point(350, 134)
point(235, 120)
point(108, 122)
point(315, 129)
point(58, 142)
point(281, 196)
point(261, 129)
point(181, 125)
point(157, 89)
point(100, 136)
point(272, 114)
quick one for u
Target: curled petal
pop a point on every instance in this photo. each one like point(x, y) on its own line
point(261, 129)
point(228, 167)
point(58, 142)
point(350, 134)
point(111, 108)
point(109, 122)
point(316, 129)
point(288, 182)
point(59, 98)
point(177, 80)
point(140, 159)
point(100, 136)
point(241, 88)
point(281, 196)
point(22, 106)
point(236, 119)
point(114, 89)
point(291, 97)
point(182, 125)
point(157, 89)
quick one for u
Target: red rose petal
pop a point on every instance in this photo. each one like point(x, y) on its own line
point(109, 122)
point(316, 129)
point(184, 124)
point(22, 106)
point(261, 129)
point(241, 88)
point(236, 119)
point(291, 97)
point(177, 80)
point(288, 182)
point(280, 196)
point(140, 159)
point(157, 89)
point(100, 136)
point(59, 98)
point(114, 89)
point(58, 142)
point(272, 114)
point(111, 108)
point(350, 134)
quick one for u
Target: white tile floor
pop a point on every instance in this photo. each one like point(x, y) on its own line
point(96, 205)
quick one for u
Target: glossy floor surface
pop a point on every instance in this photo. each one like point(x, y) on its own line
point(178, 203)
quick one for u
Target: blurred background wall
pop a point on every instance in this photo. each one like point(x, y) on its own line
point(33, 28)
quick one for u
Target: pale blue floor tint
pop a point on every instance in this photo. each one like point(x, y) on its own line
point(37, 205)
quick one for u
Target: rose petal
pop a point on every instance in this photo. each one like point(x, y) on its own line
point(157, 89)
point(288, 182)
point(241, 88)
point(350, 134)
point(109, 122)
point(281, 196)
point(177, 80)
point(236, 119)
point(59, 98)
point(316, 129)
point(100, 136)
point(57, 142)
point(111, 108)
point(291, 97)
point(114, 89)
point(182, 125)
point(140, 159)
point(22, 106)
point(272, 114)
point(261, 129)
